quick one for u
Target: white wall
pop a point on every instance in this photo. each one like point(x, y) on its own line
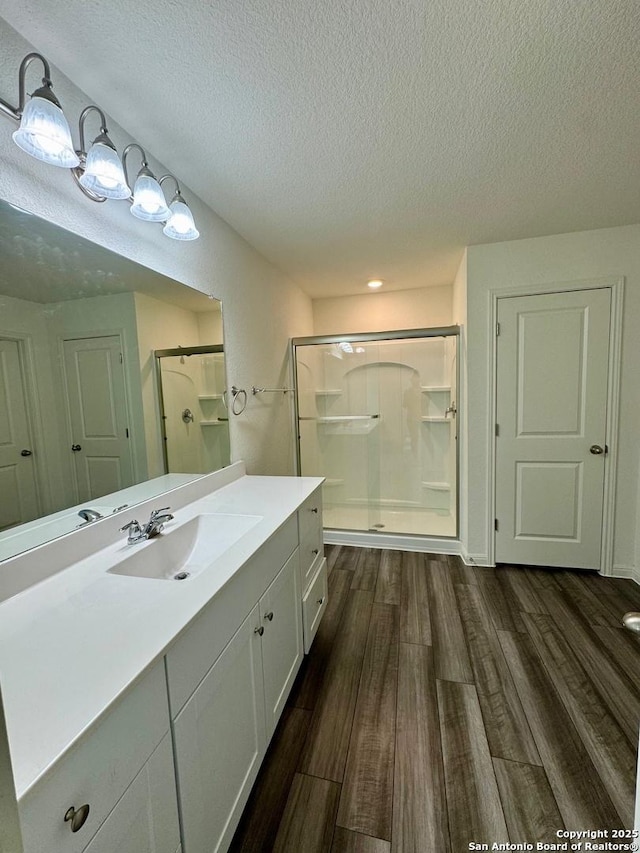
point(611, 252)
point(262, 308)
point(381, 312)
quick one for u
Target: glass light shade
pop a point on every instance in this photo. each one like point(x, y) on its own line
point(148, 200)
point(103, 173)
point(180, 225)
point(44, 133)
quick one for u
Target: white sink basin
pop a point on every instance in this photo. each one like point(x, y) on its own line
point(183, 550)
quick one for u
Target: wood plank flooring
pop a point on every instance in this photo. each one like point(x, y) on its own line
point(443, 705)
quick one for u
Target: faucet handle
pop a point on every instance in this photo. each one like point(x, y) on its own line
point(131, 526)
point(156, 512)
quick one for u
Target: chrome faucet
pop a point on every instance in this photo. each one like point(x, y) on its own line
point(153, 527)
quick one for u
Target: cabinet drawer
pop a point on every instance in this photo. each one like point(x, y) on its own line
point(194, 652)
point(145, 820)
point(314, 604)
point(97, 770)
point(311, 553)
point(310, 516)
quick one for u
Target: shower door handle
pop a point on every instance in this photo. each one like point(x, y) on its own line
point(451, 410)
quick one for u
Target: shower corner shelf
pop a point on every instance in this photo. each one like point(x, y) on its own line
point(333, 481)
point(209, 396)
point(216, 422)
point(436, 486)
point(435, 389)
point(433, 419)
point(328, 392)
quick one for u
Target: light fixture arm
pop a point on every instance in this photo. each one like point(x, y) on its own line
point(44, 92)
point(125, 153)
point(171, 177)
point(103, 127)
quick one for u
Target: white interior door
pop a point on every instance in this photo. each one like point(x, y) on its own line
point(18, 490)
point(97, 403)
point(551, 407)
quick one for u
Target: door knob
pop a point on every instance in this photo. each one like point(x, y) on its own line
point(631, 621)
point(596, 449)
point(26, 453)
point(76, 447)
point(77, 817)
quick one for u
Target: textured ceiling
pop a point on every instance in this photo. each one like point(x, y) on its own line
point(350, 139)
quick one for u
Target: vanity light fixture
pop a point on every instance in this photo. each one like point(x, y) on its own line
point(180, 225)
point(99, 172)
point(148, 199)
point(374, 284)
point(44, 132)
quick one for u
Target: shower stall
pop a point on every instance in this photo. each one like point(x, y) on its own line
point(376, 416)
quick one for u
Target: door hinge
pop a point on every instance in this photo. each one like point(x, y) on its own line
point(495, 523)
point(497, 329)
point(121, 358)
point(497, 429)
point(127, 431)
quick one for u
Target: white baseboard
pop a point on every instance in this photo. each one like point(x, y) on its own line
point(626, 572)
point(475, 559)
point(392, 541)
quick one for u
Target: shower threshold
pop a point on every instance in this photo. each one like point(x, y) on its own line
point(406, 521)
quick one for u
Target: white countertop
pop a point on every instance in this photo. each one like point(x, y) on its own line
point(71, 644)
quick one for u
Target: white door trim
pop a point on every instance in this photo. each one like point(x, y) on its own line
point(616, 285)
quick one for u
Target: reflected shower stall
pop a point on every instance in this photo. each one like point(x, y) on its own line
point(376, 417)
point(194, 418)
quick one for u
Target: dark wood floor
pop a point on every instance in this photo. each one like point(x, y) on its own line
point(443, 704)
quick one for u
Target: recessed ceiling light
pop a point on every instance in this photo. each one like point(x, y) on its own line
point(374, 284)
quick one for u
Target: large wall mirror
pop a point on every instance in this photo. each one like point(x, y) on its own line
point(83, 420)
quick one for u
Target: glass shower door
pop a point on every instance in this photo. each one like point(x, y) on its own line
point(195, 422)
point(377, 419)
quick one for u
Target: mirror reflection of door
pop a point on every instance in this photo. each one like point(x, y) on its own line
point(194, 416)
point(18, 489)
point(98, 416)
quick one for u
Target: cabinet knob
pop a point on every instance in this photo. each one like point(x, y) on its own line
point(269, 616)
point(320, 600)
point(314, 509)
point(77, 817)
point(259, 630)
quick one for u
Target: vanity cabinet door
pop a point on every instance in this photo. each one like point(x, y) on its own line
point(219, 739)
point(281, 618)
point(145, 820)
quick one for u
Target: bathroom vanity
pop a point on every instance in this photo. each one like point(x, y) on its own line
point(151, 699)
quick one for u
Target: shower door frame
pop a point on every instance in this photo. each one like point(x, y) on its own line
point(176, 351)
point(372, 337)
